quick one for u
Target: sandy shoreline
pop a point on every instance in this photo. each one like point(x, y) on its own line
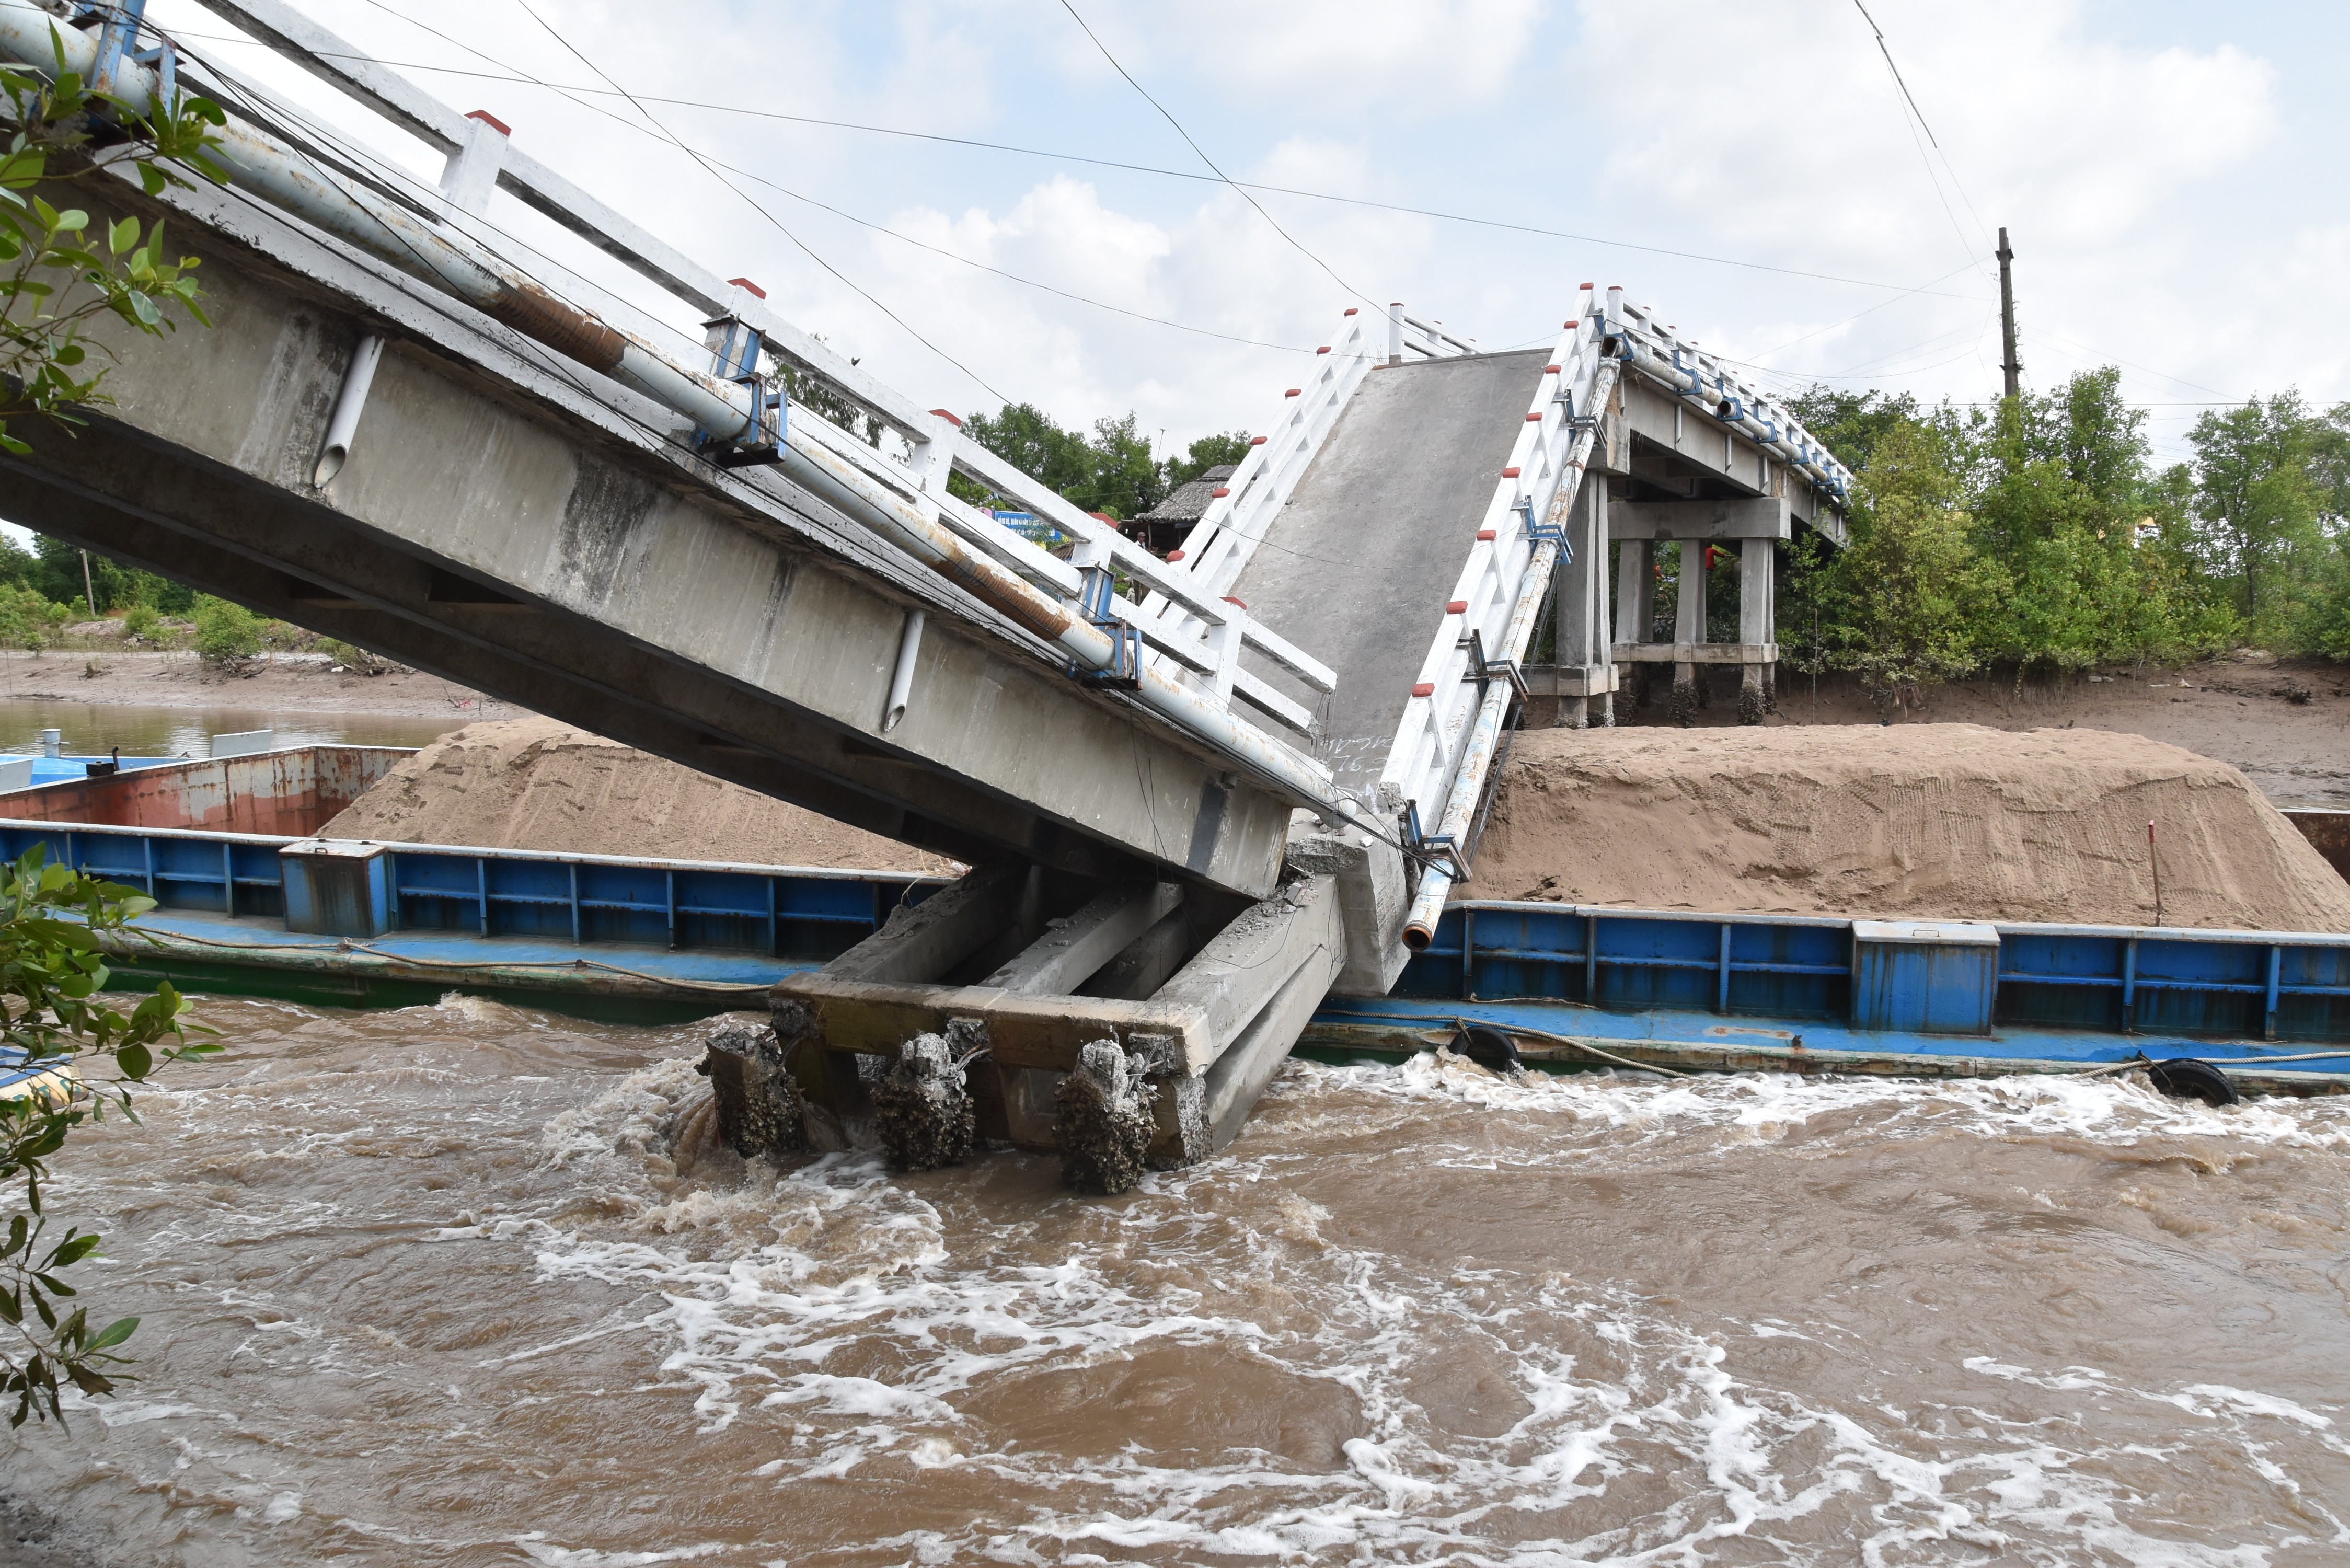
point(2285, 725)
point(293, 682)
point(1927, 821)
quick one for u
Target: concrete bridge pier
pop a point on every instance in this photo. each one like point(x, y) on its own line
point(1757, 626)
point(1758, 524)
point(1689, 632)
point(1584, 661)
point(1635, 601)
point(1120, 1024)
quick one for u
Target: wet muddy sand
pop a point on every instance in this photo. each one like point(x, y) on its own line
point(465, 1285)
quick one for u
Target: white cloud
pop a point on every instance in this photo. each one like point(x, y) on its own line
point(1790, 143)
point(1405, 58)
point(1795, 137)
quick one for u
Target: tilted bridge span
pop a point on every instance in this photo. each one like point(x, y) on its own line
point(1200, 793)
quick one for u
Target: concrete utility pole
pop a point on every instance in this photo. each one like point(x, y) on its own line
point(2007, 317)
point(88, 593)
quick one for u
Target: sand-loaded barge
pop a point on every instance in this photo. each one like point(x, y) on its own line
point(257, 897)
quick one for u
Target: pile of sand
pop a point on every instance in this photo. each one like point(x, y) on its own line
point(1943, 821)
point(538, 784)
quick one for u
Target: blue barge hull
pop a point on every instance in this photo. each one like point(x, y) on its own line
point(627, 937)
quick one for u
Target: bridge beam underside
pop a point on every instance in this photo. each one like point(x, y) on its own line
point(583, 572)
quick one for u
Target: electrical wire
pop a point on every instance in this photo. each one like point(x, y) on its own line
point(850, 543)
point(663, 134)
point(263, 112)
point(513, 74)
point(999, 272)
point(778, 223)
point(851, 217)
point(1872, 310)
point(1897, 73)
point(508, 74)
point(2148, 370)
point(1170, 119)
point(1966, 245)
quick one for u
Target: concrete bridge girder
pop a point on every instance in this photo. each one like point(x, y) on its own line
point(729, 621)
point(1674, 446)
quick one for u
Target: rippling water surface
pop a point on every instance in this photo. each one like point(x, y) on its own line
point(468, 1284)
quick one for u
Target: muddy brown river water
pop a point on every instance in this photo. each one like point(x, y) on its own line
point(465, 1284)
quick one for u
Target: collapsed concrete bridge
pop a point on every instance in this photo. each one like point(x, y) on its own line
point(1200, 791)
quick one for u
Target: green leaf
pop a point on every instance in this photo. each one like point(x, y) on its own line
point(136, 1062)
point(113, 1334)
point(121, 235)
point(89, 1380)
point(72, 1251)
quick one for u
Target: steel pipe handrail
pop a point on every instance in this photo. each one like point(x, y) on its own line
point(285, 178)
point(282, 176)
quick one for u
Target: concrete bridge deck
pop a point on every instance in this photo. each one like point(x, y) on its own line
point(1363, 561)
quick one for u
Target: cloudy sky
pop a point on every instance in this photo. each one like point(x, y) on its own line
point(1749, 168)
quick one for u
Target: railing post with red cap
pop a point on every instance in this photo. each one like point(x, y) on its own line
point(472, 172)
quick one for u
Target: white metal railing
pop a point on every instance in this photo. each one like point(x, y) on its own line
point(1428, 741)
point(1248, 503)
point(1441, 759)
point(1662, 356)
point(1197, 630)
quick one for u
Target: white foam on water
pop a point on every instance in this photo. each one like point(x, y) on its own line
point(2113, 1109)
point(540, 1549)
point(629, 1118)
point(771, 1291)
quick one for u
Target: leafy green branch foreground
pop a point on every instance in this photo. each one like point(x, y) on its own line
point(62, 276)
point(52, 975)
point(57, 279)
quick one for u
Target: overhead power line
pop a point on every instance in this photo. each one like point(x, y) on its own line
point(1957, 184)
point(777, 223)
point(1883, 49)
point(663, 134)
point(509, 74)
point(668, 138)
point(1210, 163)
